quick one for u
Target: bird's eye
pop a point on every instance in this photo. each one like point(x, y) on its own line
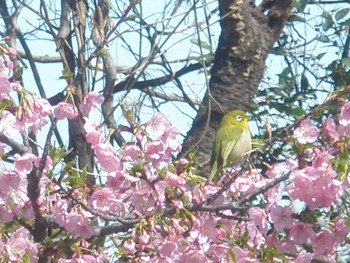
point(239, 118)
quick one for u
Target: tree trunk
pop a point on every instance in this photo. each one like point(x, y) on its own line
point(247, 37)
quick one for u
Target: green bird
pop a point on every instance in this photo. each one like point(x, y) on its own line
point(232, 143)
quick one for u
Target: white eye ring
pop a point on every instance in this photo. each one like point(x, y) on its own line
point(239, 118)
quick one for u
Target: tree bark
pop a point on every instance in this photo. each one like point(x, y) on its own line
point(246, 38)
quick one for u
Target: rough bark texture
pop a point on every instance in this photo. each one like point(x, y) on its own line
point(247, 37)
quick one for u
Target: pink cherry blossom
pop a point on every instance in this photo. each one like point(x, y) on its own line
point(204, 230)
point(13, 190)
point(6, 215)
point(132, 152)
point(300, 233)
point(344, 130)
point(178, 204)
point(3, 146)
point(19, 244)
point(80, 259)
point(5, 87)
point(286, 246)
point(32, 111)
point(322, 243)
point(316, 187)
point(273, 196)
point(65, 110)
point(101, 199)
point(106, 156)
point(193, 256)
point(330, 130)
point(155, 152)
point(129, 245)
point(77, 222)
point(218, 252)
point(8, 64)
point(242, 255)
point(160, 188)
point(302, 188)
point(259, 217)
point(144, 203)
point(248, 182)
point(15, 249)
point(48, 162)
point(172, 143)
point(306, 133)
point(118, 182)
point(183, 161)
point(8, 180)
point(174, 179)
point(168, 248)
point(8, 124)
point(344, 116)
point(11, 51)
point(157, 126)
point(341, 230)
point(24, 163)
point(91, 100)
point(326, 189)
point(304, 257)
point(93, 132)
point(281, 217)
point(41, 106)
point(256, 239)
point(322, 160)
point(105, 201)
point(144, 240)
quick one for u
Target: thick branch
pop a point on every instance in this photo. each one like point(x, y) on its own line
point(17, 147)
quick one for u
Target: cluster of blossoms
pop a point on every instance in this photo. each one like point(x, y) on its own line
point(284, 221)
point(19, 247)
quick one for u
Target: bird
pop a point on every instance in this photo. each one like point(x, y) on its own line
point(232, 143)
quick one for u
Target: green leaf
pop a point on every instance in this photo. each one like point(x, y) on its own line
point(281, 107)
point(341, 13)
point(26, 258)
point(309, 216)
point(231, 255)
point(328, 21)
point(279, 51)
point(319, 56)
point(66, 74)
point(296, 19)
point(280, 92)
point(137, 170)
point(299, 112)
point(202, 44)
point(4, 104)
point(347, 222)
point(342, 163)
point(346, 61)
point(323, 39)
point(270, 253)
point(300, 5)
point(56, 154)
point(17, 72)
point(102, 52)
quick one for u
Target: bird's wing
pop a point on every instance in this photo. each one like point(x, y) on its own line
point(225, 140)
point(231, 135)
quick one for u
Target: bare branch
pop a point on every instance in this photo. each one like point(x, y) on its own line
point(17, 147)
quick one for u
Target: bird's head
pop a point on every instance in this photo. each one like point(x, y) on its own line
point(236, 118)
